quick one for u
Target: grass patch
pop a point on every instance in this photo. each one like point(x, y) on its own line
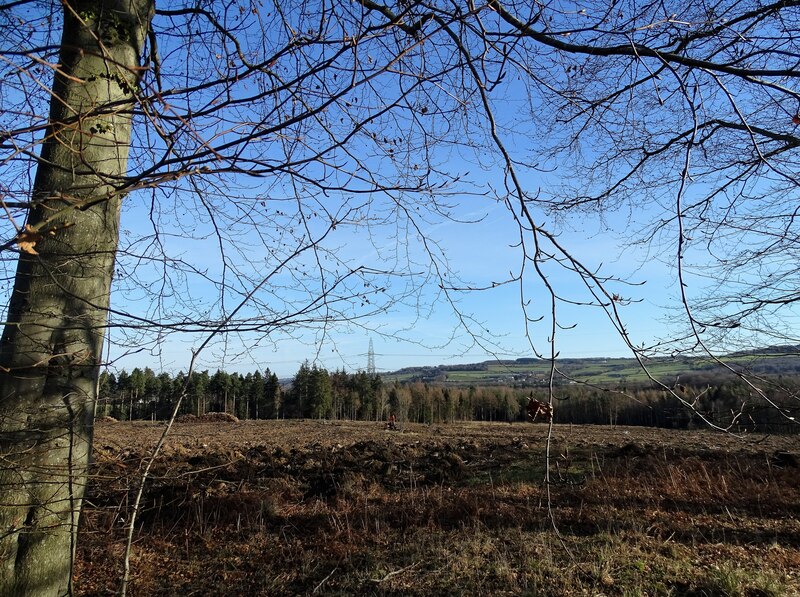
point(730, 580)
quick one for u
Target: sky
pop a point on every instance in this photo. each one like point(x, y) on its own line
point(414, 324)
point(263, 248)
point(405, 335)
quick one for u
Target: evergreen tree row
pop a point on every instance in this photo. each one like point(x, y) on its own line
point(315, 393)
point(141, 394)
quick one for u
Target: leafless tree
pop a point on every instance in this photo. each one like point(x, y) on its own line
point(270, 132)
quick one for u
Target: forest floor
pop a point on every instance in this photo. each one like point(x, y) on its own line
point(348, 508)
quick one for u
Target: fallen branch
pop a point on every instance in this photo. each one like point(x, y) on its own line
point(322, 582)
point(391, 574)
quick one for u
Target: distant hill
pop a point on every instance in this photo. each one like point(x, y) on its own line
point(771, 361)
point(787, 350)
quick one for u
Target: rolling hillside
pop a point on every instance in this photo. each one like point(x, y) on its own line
point(771, 361)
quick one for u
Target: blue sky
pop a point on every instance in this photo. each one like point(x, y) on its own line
point(477, 246)
point(321, 213)
point(404, 335)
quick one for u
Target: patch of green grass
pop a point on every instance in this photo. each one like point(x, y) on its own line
point(516, 473)
point(729, 580)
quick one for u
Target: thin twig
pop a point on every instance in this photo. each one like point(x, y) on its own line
point(391, 574)
point(322, 582)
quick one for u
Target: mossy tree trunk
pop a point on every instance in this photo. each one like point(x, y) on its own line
point(51, 346)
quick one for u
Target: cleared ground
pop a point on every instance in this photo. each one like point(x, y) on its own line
point(341, 508)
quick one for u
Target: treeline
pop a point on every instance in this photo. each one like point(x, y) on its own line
point(314, 393)
point(729, 404)
point(317, 393)
point(143, 394)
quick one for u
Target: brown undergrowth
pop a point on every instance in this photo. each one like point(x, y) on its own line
point(301, 508)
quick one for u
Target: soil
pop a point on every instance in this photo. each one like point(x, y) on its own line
point(223, 487)
point(197, 433)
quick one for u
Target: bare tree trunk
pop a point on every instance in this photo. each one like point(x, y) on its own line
point(51, 348)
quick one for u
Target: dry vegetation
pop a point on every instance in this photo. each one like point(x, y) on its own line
point(300, 508)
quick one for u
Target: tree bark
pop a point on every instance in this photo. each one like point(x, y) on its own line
point(51, 347)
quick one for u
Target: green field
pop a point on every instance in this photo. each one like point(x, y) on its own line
point(601, 371)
